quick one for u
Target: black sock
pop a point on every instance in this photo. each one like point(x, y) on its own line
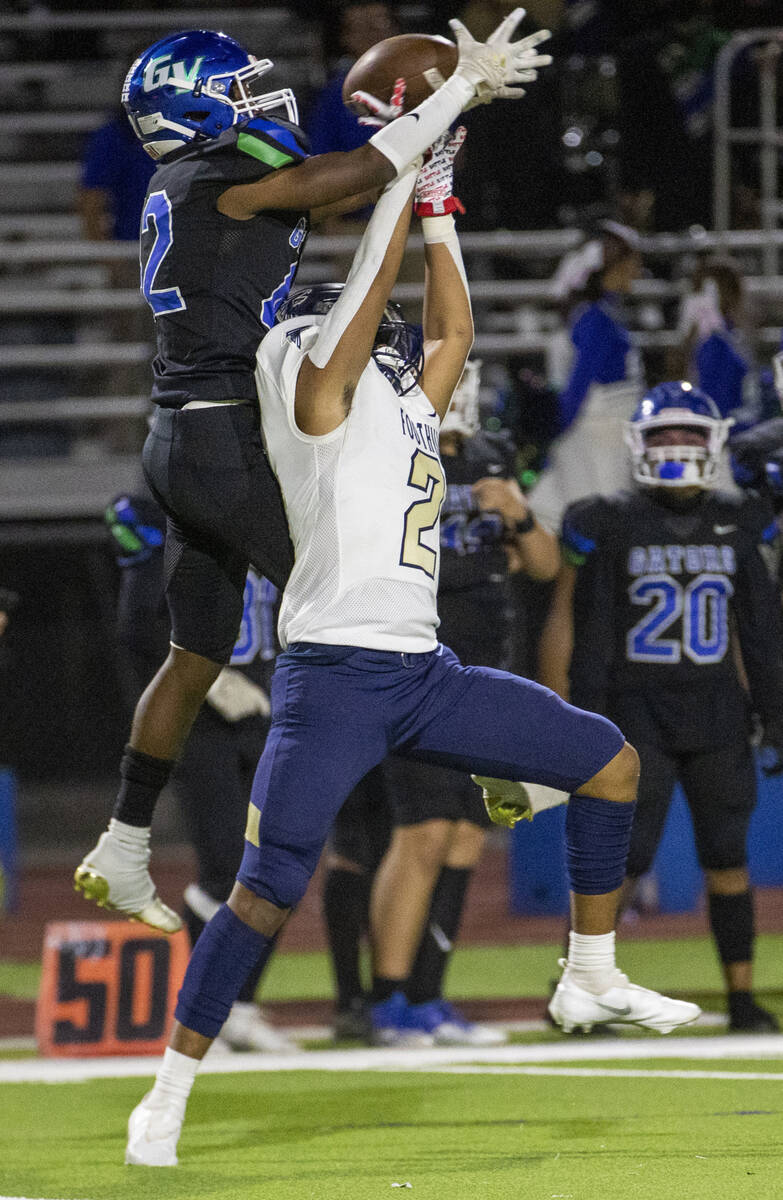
point(383, 988)
point(346, 901)
point(440, 933)
point(731, 921)
point(143, 778)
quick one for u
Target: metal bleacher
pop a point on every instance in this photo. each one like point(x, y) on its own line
point(71, 426)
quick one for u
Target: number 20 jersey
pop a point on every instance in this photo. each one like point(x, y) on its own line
point(214, 283)
point(362, 503)
point(659, 589)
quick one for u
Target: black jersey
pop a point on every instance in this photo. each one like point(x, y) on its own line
point(472, 594)
point(214, 283)
point(658, 590)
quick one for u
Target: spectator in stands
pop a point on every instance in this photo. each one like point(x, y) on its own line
point(715, 351)
point(109, 201)
point(115, 174)
point(602, 385)
point(350, 31)
point(601, 392)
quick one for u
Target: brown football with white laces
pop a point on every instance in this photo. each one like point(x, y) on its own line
point(422, 60)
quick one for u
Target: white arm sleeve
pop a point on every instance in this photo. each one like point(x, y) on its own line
point(443, 229)
point(366, 264)
point(403, 140)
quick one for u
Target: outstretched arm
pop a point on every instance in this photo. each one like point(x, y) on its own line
point(448, 320)
point(483, 72)
point(330, 372)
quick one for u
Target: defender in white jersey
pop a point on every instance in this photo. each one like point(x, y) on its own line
point(362, 485)
point(362, 501)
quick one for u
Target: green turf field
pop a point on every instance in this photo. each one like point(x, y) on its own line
point(685, 964)
point(510, 1124)
point(310, 1135)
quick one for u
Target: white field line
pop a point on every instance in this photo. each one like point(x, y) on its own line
point(750, 1046)
point(607, 1073)
point(322, 1033)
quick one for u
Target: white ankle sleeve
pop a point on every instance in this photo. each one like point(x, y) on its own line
point(403, 140)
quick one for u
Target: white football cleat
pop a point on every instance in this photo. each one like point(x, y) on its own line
point(115, 876)
point(573, 1007)
point(246, 1029)
point(153, 1133)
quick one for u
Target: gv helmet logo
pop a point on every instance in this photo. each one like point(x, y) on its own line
point(160, 71)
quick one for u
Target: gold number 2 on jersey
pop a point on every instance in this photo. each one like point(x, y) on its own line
point(426, 475)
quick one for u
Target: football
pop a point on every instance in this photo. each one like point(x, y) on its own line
point(410, 56)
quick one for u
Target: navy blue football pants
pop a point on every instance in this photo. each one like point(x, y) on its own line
point(337, 711)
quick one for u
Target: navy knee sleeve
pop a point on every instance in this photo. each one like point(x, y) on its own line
point(598, 834)
point(222, 959)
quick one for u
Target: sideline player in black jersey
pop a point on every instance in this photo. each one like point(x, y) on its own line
point(212, 779)
point(224, 223)
point(663, 576)
point(438, 816)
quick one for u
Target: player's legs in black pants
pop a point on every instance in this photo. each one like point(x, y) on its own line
point(208, 470)
point(357, 844)
point(720, 786)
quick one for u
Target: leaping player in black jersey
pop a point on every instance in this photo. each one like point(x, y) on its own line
point(224, 223)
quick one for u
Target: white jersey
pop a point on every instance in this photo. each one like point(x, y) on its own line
point(363, 505)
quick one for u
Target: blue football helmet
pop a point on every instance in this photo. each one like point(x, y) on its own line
point(676, 405)
point(196, 84)
point(398, 349)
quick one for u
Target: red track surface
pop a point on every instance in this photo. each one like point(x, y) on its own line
point(47, 894)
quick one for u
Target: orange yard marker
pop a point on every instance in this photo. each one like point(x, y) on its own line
point(107, 987)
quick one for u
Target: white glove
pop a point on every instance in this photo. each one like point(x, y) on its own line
point(508, 801)
point(494, 67)
point(435, 181)
point(233, 696)
point(379, 113)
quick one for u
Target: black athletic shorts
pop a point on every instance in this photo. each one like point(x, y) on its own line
point(709, 754)
point(208, 470)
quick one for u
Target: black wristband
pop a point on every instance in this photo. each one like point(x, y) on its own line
point(525, 525)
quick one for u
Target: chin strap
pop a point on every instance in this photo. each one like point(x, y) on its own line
point(366, 264)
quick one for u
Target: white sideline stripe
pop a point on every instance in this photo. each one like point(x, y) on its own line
point(615, 1050)
point(608, 1072)
point(322, 1033)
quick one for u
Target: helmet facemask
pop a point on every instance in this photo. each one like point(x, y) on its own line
point(680, 464)
point(398, 350)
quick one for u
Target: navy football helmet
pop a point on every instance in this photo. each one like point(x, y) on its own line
point(676, 405)
point(398, 349)
point(196, 84)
